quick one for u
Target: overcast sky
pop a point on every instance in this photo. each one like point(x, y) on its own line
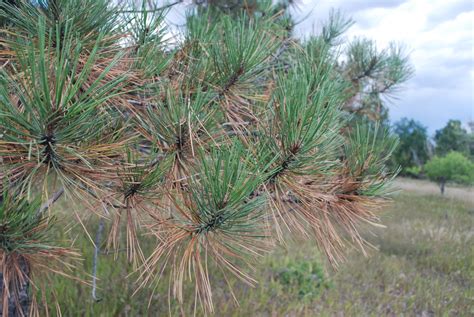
point(438, 34)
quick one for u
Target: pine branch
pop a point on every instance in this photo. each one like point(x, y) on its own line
point(50, 202)
point(165, 7)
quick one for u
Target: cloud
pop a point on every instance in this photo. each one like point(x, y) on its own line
point(448, 10)
point(439, 35)
point(359, 5)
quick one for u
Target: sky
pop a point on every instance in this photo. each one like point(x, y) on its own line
point(438, 34)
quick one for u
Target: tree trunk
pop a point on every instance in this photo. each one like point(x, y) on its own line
point(20, 305)
point(442, 184)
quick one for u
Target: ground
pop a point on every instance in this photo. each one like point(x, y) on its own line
point(423, 265)
point(423, 187)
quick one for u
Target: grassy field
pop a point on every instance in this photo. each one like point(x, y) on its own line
point(424, 266)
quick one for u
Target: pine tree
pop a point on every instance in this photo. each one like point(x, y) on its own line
point(219, 145)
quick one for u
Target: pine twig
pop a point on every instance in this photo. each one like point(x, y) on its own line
point(165, 7)
point(95, 259)
point(50, 201)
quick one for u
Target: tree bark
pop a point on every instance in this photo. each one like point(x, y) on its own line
point(17, 305)
point(442, 184)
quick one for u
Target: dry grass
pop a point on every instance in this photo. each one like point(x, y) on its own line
point(428, 188)
point(424, 267)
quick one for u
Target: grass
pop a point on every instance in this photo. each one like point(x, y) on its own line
point(424, 266)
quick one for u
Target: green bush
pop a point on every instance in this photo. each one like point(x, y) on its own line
point(413, 171)
point(305, 276)
point(454, 167)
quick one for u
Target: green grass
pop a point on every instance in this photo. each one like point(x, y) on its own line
point(424, 266)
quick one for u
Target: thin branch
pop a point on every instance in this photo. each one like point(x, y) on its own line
point(50, 201)
point(152, 10)
point(281, 49)
point(90, 192)
point(95, 259)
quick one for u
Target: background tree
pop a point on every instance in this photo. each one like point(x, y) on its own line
point(374, 77)
point(215, 147)
point(452, 167)
point(471, 139)
point(453, 137)
point(412, 150)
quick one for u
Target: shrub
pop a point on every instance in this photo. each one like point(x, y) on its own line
point(305, 276)
point(454, 167)
point(413, 171)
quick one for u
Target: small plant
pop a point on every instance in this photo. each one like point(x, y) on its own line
point(307, 277)
point(453, 167)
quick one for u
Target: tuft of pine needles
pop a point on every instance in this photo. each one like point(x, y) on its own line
point(26, 252)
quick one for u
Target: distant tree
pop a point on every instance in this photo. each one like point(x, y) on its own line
point(471, 126)
point(452, 167)
point(471, 139)
point(412, 150)
point(453, 137)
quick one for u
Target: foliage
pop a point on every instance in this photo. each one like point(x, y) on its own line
point(59, 126)
point(373, 76)
point(413, 171)
point(214, 147)
point(453, 137)
point(305, 277)
point(88, 18)
point(3, 21)
point(370, 146)
point(412, 150)
point(452, 167)
point(26, 249)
